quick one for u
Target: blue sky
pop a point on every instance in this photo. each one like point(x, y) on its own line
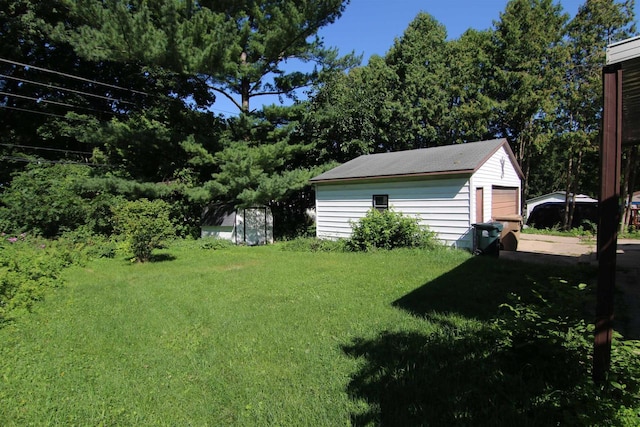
point(370, 27)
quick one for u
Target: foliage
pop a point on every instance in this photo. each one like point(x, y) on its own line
point(350, 113)
point(398, 102)
point(597, 24)
point(522, 85)
point(52, 199)
point(587, 232)
point(31, 266)
point(42, 200)
point(473, 108)
point(151, 132)
point(263, 160)
point(84, 245)
point(26, 273)
point(551, 320)
point(389, 230)
point(238, 48)
point(215, 244)
point(145, 226)
point(419, 62)
point(631, 233)
point(312, 244)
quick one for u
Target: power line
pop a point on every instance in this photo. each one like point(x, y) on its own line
point(47, 149)
point(47, 101)
point(46, 70)
point(57, 162)
point(89, 81)
point(50, 86)
point(33, 111)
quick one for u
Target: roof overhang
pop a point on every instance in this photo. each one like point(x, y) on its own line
point(402, 177)
point(626, 56)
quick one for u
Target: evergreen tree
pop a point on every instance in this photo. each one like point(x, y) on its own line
point(240, 49)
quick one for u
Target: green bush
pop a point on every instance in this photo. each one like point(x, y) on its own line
point(42, 199)
point(145, 226)
point(31, 266)
point(550, 321)
point(213, 243)
point(86, 245)
point(311, 244)
point(390, 230)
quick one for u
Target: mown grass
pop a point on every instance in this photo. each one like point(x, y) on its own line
point(259, 336)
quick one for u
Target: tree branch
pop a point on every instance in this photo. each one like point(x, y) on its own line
point(227, 96)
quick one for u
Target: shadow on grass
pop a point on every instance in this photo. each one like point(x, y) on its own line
point(471, 372)
point(455, 378)
point(162, 257)
point(474, 290)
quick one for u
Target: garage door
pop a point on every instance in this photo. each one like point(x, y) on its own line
point(504, 201)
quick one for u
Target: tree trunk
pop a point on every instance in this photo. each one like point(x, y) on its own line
point(574, 187)
point(566, 220)
point(525, 185)
point(245, 83)
point(523, 161)
point(626, 171)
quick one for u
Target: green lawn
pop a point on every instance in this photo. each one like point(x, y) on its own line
point(260, 336)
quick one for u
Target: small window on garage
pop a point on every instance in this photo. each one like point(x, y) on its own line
point(381, 202)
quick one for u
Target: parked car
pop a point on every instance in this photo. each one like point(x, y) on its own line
point(551, 215)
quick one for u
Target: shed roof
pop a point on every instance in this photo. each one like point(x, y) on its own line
point(579, 197)
point(447, 159)
point(219, 215)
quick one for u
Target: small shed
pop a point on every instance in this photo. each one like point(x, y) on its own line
point(448, 188)
point(247, 226)
point(556, 197)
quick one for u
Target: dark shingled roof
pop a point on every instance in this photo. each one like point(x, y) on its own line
point(458, 158)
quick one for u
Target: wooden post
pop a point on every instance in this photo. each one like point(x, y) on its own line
point(608, 217)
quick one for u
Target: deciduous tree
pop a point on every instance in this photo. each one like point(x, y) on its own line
point(528, 57)
point(597, 24)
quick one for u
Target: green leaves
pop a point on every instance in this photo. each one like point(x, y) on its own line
point(43, 200)
point(145, 226)
point(389, 230)
point(239, 47)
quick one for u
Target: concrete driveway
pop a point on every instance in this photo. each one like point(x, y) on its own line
point(554, 250)
point(570, 250)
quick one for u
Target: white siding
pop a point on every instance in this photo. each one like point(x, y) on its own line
point(226, 233)
point(441, 204)
point(258, 229)
point(497, 171)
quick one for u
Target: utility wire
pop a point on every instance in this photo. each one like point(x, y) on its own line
point(90, 81)
point(33, 111)
point(8, 61)
point(47, 101)
point(57, 162)
point(50, 86)
point(46, 148)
